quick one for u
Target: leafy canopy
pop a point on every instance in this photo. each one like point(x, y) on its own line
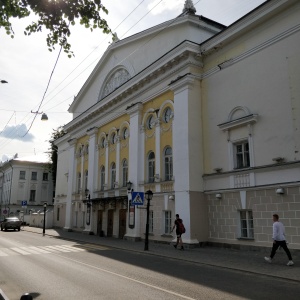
point(55, 15)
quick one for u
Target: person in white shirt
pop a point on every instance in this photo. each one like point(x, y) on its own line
point(279, 241)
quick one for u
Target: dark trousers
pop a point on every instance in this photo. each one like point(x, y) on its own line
point(283, 245)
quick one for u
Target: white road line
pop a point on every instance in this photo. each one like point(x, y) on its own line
point(38, 249)
point(31, 249)
point(72, 248)
point(19, 250)
point(129, 278)
point(66, 249)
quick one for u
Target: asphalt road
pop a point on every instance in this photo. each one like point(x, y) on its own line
point(51, 268)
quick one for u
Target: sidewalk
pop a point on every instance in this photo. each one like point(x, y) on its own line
point(246, 261)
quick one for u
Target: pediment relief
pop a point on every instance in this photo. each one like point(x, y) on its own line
point(116, 79)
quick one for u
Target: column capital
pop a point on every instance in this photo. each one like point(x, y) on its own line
point(135, 108)
point(72, 142)
point(92, 131)
point(182, 83)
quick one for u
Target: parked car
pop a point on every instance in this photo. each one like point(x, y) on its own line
point(11, 223)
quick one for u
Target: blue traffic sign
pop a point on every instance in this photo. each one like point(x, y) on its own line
point(24, 203)
point(137, 198)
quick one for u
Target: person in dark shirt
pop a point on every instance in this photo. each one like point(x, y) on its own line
point(178, 232)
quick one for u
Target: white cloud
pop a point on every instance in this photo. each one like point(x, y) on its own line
point(158, 7)
point(17, 132)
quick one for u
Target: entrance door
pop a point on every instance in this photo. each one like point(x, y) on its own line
point(122, 223)
point(99, 223)
point(110, 223)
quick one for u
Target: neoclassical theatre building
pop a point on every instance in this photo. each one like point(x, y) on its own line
point(205, 116)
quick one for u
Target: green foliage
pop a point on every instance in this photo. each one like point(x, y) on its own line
point(56, 134)
point(56, 16)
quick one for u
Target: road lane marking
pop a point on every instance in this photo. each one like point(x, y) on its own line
point(72, 248)
point(21, 251)
point(129, 278)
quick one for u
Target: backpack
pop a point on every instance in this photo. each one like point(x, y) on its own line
point(181, 227)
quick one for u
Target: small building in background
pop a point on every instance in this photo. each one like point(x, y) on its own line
point(25, 185)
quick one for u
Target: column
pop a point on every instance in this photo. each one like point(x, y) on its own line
point(135, 162)
point(188, 159)
point(71, 184)
point(92, 167)
point(157, 153)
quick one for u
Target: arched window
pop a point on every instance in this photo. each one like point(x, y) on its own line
point(86, 179)
point(168, 157)
point(79, 182)
point(102, 178)
point(102, 142)
point(112, 175)
point(151, 167)
point(124, 172)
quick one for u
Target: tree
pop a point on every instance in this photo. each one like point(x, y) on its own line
point(56, 134)
point(56, 16)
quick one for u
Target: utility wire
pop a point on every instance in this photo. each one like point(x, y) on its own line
point(37, 112)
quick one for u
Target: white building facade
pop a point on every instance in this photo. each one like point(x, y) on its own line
point(25, 179)
point(205, 116)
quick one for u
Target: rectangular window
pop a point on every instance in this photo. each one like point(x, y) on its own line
point(151, 221)
point(168, 222)
point(57, 215)
point(33, 175)
point(242, 157)
point(32, 195)
point(246, 219)
point(22, 174)
point(45, 176)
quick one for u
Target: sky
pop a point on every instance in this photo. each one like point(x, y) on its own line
point(26, 64)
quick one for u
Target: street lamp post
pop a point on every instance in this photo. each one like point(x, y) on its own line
point(44, 225)
point(149, 195)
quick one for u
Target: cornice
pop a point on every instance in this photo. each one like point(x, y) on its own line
point(239, 26)
point(184, 55)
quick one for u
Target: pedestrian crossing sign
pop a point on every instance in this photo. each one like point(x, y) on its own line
point(137, 198)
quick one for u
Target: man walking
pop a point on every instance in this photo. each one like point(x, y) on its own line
point(279, 241)
point(178, 224)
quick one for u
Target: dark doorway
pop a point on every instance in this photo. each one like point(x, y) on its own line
point(122, 223)
point(110, 223)
point(99, 223)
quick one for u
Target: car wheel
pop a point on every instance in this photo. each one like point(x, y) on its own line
point(19, 229)
point(1, 228)
point(5, 229)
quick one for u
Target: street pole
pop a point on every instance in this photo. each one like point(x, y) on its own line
point(149, 195)
point(147, 227)
point(44, 225)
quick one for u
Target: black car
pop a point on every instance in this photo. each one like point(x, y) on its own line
point(11, 223)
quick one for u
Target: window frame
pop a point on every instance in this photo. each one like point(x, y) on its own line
point(113, 175)
point(167, 221)
point(241, 159)
point(168, 164)
point(32, 196)
point(151, 167)
point(150, 122)
point(246, 224)
point(22, 177)
point(79, 182)
point(167, 117)
point(102, 178)
point(45, 176)
point(32, 175)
